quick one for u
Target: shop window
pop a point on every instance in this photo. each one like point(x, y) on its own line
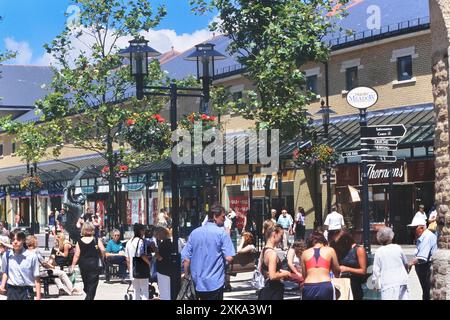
point(13, 148)
point(1, 150)
point(404, 68)
point(351, 78)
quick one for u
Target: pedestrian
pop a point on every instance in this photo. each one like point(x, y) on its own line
point(273, 216)
point(299, 224)
point(164, 265)
point(285, 221)
point(62, 253)
point(334, 222)
point(247, 244)
point(17, 220)
point(317, 262)
point(390, 268)
point(162, 222)
point(421, 213)
point(205, 255)
point(426, 245)
point(432, 223)
point(352, 259)
point(270, 266)
point(138, 263)
point(293, 257)
point(20, 270)
point(89, 251)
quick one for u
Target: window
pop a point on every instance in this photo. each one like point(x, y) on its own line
point(311, 83)
point(404, 68)
point(351, 78)
point(13, 148)
point(1, 150)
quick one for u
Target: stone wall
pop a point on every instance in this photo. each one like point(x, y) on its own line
point(440, 35)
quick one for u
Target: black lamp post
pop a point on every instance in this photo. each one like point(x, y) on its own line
point(138, 52)
point(325, 111)
point(205, 56)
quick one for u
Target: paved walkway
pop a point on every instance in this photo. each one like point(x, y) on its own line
point(242, 289)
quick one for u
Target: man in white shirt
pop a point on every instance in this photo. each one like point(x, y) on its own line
point(421, 213)
point(334, 222)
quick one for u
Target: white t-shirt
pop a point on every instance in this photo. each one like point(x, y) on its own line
point(433, 215)
point(389, 267)
point(130, 251)
point(334, 221)
point(421, 215)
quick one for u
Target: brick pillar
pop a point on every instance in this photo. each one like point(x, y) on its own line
point(440, 33)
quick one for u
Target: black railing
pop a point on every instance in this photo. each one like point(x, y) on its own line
point(404, 26)
point(236, 68)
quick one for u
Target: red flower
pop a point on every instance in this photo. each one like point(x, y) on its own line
point(212, 118)
point(123, 168)
point(105, 169)
point(296, 153)
point(130, 122)
point(204, 117)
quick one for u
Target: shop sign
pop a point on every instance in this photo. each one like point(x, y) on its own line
point(258, 184)
point(87, 190)
point(362, 97)
point(134, 186)
point(2, 194)
point(422, 170)
point(379, 173)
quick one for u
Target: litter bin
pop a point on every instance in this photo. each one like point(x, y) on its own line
point(47, 235)
point(368, 288)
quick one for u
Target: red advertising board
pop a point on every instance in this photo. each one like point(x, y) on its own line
point(347, 175)
point(240, 205)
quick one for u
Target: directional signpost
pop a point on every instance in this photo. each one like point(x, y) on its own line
point(383, 131)
point(377, 158)
point(377, 147)
point(380, 142)
point(349, 154)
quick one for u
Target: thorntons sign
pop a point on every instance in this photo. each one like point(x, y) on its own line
point(362, 97)
point(379, 173)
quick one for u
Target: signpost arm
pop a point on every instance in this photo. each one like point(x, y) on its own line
point(365, 188)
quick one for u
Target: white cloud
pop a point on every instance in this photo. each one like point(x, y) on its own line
point(24, 52)
point(161, 40)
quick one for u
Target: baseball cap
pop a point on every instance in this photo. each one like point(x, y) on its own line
point(417, 221)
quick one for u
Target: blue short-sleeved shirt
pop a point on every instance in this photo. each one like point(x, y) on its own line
point(285, 222)
point(426, 245)
point(114, 247)
point(207, 248)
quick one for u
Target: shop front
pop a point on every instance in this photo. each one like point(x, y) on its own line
point(392, 201)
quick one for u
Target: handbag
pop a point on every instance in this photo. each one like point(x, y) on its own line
point(187, 290)
point(258, 282)
point(141, 270)
point(432, 226)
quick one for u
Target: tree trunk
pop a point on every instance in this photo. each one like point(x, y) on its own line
point(440, 31)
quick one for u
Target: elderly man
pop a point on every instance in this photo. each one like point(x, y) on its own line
point(205, 255)
point(285, 221)
point(426, 245)
point(421, 213)
point(115, 253)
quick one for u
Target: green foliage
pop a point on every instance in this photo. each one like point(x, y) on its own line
point(91, 88)
point(273, 39)
point(34, 140)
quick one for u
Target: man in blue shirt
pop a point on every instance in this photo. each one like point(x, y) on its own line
point(115, 253)
point(285, 220)
point(426, 245)
point(205, 255)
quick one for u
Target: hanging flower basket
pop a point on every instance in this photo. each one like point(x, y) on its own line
point(320, 153)
point(121, 171)
point(31, 183)
point(207, 122)
point(147, 132)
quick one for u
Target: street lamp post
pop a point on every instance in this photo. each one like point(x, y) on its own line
point(138, 53)
point(325, 111)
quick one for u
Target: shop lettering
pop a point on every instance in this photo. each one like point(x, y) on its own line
point(384, 173)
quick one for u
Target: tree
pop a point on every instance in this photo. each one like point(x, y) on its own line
point(273, 39)
point(88, 101)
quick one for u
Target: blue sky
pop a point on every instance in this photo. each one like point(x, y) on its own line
point(28, 24)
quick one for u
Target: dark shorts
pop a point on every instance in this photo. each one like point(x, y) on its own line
point(318, 291)
point(19, 293)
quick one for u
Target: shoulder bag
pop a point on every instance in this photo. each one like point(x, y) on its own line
point(141, 270)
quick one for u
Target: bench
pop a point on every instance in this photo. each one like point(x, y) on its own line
point(46, 281)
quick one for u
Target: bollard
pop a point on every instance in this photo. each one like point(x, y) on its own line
point(47, 234)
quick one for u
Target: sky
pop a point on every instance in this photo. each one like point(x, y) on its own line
point(28, 24)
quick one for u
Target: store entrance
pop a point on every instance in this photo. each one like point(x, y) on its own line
point(403, 211)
